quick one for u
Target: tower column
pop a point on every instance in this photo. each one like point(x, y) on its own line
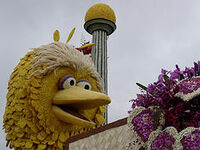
point(99, 55)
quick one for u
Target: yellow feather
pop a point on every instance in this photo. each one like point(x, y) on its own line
point(22, 123)
point(70, 35)
point(22, 72)
point(21, 93)
point(8, 137)
point(35, 83)
point(29, 144)
point(99, 119)
point(20, 135)
point(101, 110)
point(63, 137)
point(56, 36)
point(33, 96)
point(60, 145)
point(51, 142)
point(41, 146)
point(41, 136)
point(17, 143)
point(34, 90)
point(55, 136)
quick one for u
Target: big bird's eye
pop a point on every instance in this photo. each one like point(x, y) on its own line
point(67, 82)
point(84, 84)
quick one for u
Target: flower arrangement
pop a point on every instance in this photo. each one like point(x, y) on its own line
point(169, 109)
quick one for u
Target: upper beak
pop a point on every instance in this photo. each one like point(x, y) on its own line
point(80, 97)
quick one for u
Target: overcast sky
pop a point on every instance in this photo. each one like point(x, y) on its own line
point(150, 35)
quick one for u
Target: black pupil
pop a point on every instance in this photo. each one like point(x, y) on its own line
point(72, 82)
point(87, 87)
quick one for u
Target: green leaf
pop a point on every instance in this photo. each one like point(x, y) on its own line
point(156, 117)
point(142, 86)
point(166, 78)
point(181, 77)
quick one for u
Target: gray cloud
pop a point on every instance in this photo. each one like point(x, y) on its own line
point(150, 35)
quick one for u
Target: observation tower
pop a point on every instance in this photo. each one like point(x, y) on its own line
point(100, 22)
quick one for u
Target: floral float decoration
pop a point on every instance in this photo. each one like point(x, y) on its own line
point(167, 113)
point(53, 93)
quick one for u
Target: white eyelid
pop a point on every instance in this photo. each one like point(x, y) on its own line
point(85, 84)
point(67, 82)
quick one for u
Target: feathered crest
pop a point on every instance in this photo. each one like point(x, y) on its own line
point(56, 38)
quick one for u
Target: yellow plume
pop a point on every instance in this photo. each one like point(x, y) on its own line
point(56, 36)
point(86, 45)
point(70, 35)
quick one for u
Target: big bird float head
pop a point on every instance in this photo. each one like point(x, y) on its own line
point(53, 93)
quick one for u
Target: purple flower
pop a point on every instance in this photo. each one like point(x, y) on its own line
point(191, 141)
point(151, 88)
point(163, 71)
point(160, 78)
point(143, 124)
point(162, 141)
point(189, 72)
point(176, 75)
